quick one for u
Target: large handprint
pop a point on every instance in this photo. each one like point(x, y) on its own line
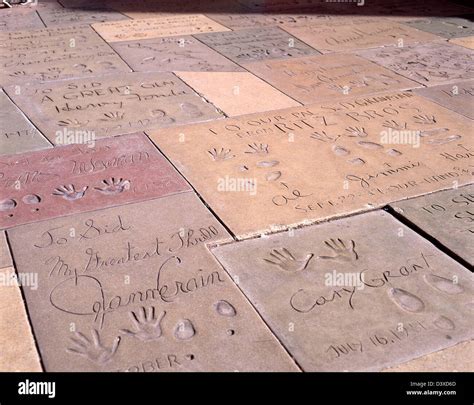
point(147, 325)
point(114, 186)
point(69, 192)
point(343, 251)
point(286, 261)
point(93, 350)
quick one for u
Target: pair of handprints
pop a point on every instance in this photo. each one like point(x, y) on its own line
point(110, 186)
point(341, 251)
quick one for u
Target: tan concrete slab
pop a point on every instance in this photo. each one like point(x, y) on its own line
point(335, 38)
point(79, 16)
point(458, 96)
point(454, 359)
point(467, 42)
point(309, 163)
point(450, 27)
point(83, 177)
point(13, 20)
point(157, 27)
point(112, 104)
point(17, 347)
point(328, 77)
point(130, 294)
point(5, 256)
point(338, 299)
point(168, 54)
point(256, 44)
point(428, 64)
point(237, 93)
point(447, 216)
point(18, 134)
point(55, 53)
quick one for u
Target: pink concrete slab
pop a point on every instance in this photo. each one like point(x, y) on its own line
point(335, 38)
point(135, 289)
point(53, 54)
point(13, 20)
point(236, 93)
point(447, 216)
point(79, 16)
point(168, 54)
point(157, 27)
point(428, 64)
point(278, 169)
point(357, 294)
point(457, 96)
point(83, 177)
point(18, 134)
point(328, 77)
point(256, 44)
point(112, 104)
point(18, 351)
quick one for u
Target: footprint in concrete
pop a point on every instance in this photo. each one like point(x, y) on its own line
point(431, 132)
point(446, 285)
point(340, 151)
point(190, 110)
point(161, 116)
point(184, 330)
point(224, 308)
point(393, 152)
point(444, 323)
point(443, 141)
point(406, 300)
point(357, 161)
point(272, 176)
point(267, 163)
point(8, 204)
point(370, 145)
point(31, 199)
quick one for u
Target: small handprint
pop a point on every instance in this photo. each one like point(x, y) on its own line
point(72, 123)
point(356, 132)
point(113, 186)
point(222, 154)
point(113, 116)
point(93, 350)
point(343, 252)
point(257, 148)
point(424, 119)
point(69, 192)
point(147, 325)
point(286, 261)
point(394, 125)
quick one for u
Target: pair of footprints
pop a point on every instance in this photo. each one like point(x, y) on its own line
point(411, 303)
point(343, 251)
point(110, 186)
